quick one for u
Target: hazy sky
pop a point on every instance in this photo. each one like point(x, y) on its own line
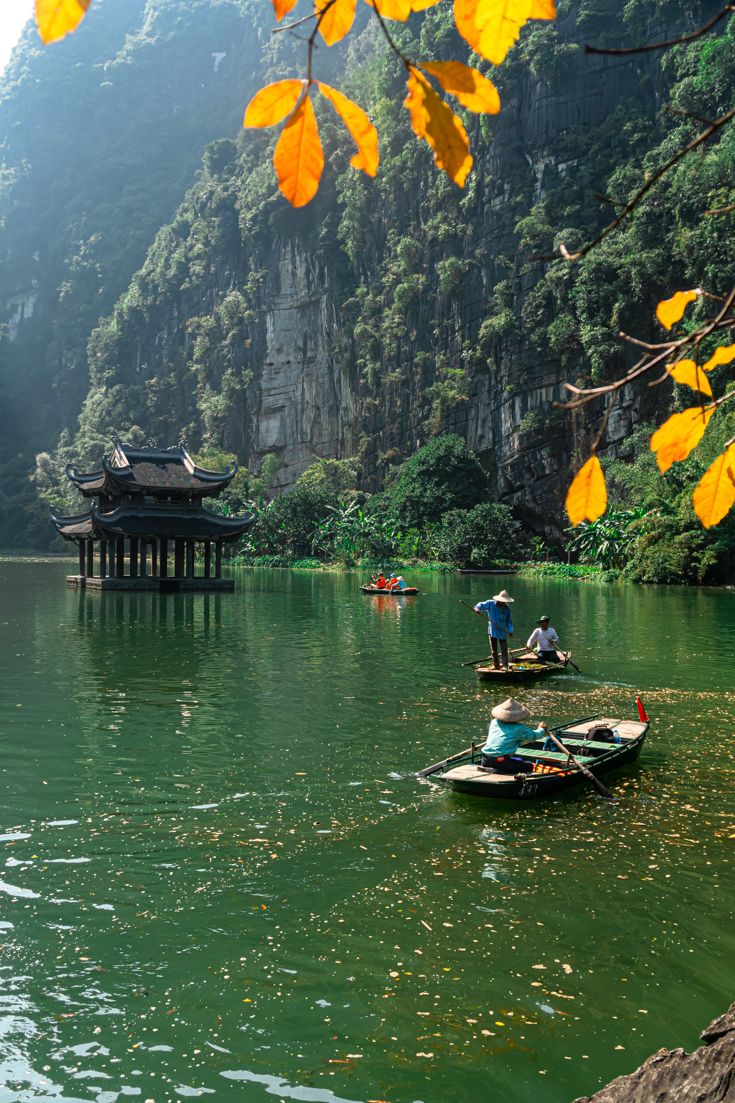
point(13, 15)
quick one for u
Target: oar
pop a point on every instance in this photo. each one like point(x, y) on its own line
point(583, 769)
point(438, 765)
point(476, 662)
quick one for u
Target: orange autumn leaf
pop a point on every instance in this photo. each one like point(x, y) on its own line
point(422, 5)
point(471, 88)
point(714, 495)
point(679, 435)
point(298, 156)
point(492, 27)
point(691, 375)
point(283, 7)
point(433, 121)
point(57, 18)
point(543, 9)
point(337, 19)
point(273, 103)
point(392, 9)
point(670, 311)
point(723, 355)
point(587, 496)
point(362, 130)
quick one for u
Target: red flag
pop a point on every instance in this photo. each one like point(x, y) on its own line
point(642, 715)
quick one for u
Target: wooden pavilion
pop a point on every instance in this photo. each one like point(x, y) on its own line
point(147, 521)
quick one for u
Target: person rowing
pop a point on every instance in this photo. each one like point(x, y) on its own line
point(499, 625)
point(545, 640)
point(378, 581)
point(506, 733)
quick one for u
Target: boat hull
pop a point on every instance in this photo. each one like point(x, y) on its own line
point(528, 672)
point(410, 591)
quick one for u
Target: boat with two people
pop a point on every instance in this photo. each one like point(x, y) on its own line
point(395, 586)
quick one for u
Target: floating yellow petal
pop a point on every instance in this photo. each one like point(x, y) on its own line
point(691, 375)
point(679, 435)
point(723, 355)
point(587, 496)
point(57, 18)
point(471, 88)
point(362, 130)
point(433, 121)
point(670, 311)
point(298, 157)
point(337, 20)
point(273, 103)
point(714, 496)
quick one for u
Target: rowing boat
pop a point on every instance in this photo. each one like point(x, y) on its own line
point(525, 669)
point(540, 773)
point(407, 591)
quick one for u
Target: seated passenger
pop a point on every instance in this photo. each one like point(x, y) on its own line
point(402, 584)
point(379, 582)
point(392, 583)
point(546, 641)
point(506, 733)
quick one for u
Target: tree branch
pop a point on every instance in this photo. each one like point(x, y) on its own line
point(680, 41)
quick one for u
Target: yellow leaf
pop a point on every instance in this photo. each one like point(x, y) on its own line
point(392, 9)
point(677, 436)
point(472, 89)
point(283, 7)
point(671, 310)
point(714, 495)
point(422, 5)
point(362, 130)
point(492, 26)
point(689, 373)
point(587, 496)
point(723, 355)
point(433, 121)
point(543, 9)
point(56, 18)
point(338, 19)
point(273, 103)
point(298, 157)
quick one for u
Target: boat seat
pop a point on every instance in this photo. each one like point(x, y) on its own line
point(469, 772)
point(627, 729)
point(551, 756)
point(575, 742)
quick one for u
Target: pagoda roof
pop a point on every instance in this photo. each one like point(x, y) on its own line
point(200, 524)
point(150, 470)
point(73, 527)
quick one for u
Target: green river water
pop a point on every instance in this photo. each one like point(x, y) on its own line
point(220, 881)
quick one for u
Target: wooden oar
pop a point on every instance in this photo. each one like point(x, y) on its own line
point(438, 765)
point(582, 768)
point(476, 662)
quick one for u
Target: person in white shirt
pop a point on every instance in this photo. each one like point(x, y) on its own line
point(546, 641)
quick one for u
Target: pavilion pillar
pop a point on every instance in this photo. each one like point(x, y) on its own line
point(120, 557)
point(143, 557)
point(164, 558)
point(133, 556)
point(82, 560)
point(154, 557)
point(90, 558)
point(179, 557)
point(218, 559)
point(189, 558)
point(103, 559)
point(207, 559)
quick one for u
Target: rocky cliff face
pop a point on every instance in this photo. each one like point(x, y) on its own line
point(393, 309)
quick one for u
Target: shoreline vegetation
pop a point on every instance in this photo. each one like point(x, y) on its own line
point(434, 513)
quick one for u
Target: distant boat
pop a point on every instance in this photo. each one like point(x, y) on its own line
point(407, 591)
point(525, 669)
point(540, 773)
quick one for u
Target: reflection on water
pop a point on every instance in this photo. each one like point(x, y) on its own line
point(219, 875)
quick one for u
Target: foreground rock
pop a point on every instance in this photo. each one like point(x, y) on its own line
point(675, 1076)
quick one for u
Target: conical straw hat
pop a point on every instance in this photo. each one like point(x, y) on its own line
point(503, 596)
point(512, 711)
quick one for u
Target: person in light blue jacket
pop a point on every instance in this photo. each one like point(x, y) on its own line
point(499, 625)
point(506, 733)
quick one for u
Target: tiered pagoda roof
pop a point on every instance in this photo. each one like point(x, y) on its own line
point(150, 492)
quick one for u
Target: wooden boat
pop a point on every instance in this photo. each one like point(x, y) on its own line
point(524, 669)
point(488, 570)
point(408, 591)
point(543, 773)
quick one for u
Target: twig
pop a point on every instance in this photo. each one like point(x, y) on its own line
point(722, 210)
point(680, 41)
point(716, 125)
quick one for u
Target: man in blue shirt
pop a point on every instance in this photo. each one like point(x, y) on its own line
point(506, 733)
point(499, 625)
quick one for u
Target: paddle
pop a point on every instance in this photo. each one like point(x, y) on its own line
point(476, 662)
point(583, 769)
